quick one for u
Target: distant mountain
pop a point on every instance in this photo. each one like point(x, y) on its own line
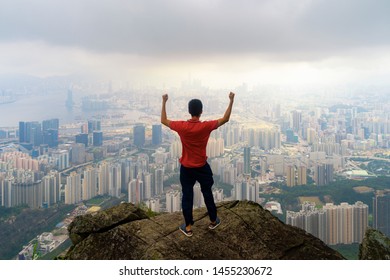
point(19, 82)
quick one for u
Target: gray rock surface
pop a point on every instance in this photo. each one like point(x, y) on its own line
point(247, 232)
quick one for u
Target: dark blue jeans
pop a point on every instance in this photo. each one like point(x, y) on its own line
point(188, 177)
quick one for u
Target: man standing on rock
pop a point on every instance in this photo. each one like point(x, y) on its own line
point(194, 135)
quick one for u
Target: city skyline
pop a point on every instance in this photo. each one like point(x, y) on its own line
point(80, 101)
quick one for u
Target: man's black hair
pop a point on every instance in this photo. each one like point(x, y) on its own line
point(195, 107)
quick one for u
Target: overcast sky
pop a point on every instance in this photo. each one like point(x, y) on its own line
point(221, 42)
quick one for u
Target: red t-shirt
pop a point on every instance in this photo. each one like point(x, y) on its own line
point(194, 136)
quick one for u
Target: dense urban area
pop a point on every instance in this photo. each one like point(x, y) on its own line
point(316, 158)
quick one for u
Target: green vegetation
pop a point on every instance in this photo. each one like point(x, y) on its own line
point(56, 253)
point(379, 167)
point(381, 155)
point(349, 251)
point(337, 192)
point(98, 200)
point(25, 226)
point(110, 202)
point(7, 213)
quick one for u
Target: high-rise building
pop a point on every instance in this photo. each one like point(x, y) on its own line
point(139, 135)
point(290, 182)
point(30, 132)
point(173, 200)
point(346, 223)
point(302, 175)
point(103, 178)
point(94, 125)
point(296, 175)
point(78, 153)
point(84, 128)
point(148, 187)
point(22, 132)
point(136, 191)
point(7, 192)
point(323, 174)
point(51, 124)
point(156, 134)
point(159, 180)
point(333, 224)
point(381, 212)
point(73, 188)
point(218, 195)
point(198, 196)
point(51, 188)
point(291, 137)
point(245, 189)
point(114, 179)
point(154, 204)
point(89, 183)
point(61, 158)
point(296, 120)
point(82, 138)
point(50, 137)
point(97, 138)
point(247, 160)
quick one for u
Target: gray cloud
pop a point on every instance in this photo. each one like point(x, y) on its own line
point(203, 27)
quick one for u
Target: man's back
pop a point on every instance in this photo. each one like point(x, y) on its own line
point(194, 136)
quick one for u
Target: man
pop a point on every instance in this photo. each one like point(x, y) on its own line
point(194, 136)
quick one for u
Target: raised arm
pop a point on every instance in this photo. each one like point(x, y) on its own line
point(164, 119)
point(228, 112)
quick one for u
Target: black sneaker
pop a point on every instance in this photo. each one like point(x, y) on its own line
point(186, 232)
point(214, 225)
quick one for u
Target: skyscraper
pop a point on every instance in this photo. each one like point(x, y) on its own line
point(51, 188)
point(50, 124)
point(82, 138)
point(103, 178)
point(114, 179)
point(302, 175)
point(323, 174)
point(136, 191)
point(97, 138)
point(333, 224)
point(94, 125)
point(296, 120)
point(62, 159)
point(139, 135)
point(22, 132)
point(156, 134)
point(50, 137)
point(73, 188)
point(148, 189)
point(381, 212)
point(247, 160)
point(89, 183)
point(198, 196)
point(159, 180)
point(290, 182)
point(173, 200)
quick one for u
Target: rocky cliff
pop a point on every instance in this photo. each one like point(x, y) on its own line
point(375, 246)
point(247, 232)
